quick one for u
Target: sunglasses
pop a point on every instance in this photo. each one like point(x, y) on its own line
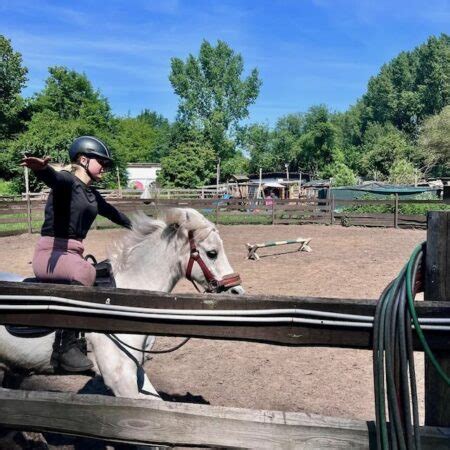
point(105, 163)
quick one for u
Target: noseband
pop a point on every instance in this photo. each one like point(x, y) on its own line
point(214, 284)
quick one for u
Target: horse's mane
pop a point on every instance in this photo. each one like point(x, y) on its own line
point(144, 227)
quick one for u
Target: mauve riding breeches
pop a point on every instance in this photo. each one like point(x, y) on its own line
point(62, 259)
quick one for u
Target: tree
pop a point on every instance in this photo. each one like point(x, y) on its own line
point(12, 81)
point(403, 172)
point(383, 145)
point(66, 108)
point(340, 174)
point(238, 164)
point(50, 135)
point(188, 165)
point(257, 141)
point(286, 140)
point(411, 86)
point(136, 140)
point(70, 95)
point(434, 139)
point(213, 97)
point(318, 145)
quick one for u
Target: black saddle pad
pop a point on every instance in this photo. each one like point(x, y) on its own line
point(28, 332)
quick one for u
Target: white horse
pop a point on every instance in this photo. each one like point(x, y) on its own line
point(154, 256)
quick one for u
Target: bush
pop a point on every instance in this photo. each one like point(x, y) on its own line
point(407, 209)
point(6, 187)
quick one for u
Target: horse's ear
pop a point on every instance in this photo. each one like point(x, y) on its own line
point(174, 217)
point(184, 217)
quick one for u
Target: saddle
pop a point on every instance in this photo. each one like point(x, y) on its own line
point(103, 278)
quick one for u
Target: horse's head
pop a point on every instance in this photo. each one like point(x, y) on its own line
point(202, 256)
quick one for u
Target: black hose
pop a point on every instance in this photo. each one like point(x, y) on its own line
point(404, 382)
point(393, 362)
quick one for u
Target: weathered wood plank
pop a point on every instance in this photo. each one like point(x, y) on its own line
point(155, 422)
point(437, 286)
point(279, 333)
point(13, 219)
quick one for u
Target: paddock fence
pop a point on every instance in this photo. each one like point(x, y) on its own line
point(293, 321)
point(153, 422)
point(19, 216)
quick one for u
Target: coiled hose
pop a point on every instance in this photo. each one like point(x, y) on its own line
point(393, 360)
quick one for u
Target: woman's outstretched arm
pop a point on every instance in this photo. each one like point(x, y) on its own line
point(42, 170)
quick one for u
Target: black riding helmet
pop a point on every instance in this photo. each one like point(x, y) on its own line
point(91, 147)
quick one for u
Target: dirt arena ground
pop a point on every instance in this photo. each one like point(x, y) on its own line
point(345, 262)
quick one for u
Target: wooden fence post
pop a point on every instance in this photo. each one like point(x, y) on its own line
point(273, 211)
point(437, 287)
point(217, 211)
point(396, 212)
point(27, 191)
point(119, 186)
point(331, 208)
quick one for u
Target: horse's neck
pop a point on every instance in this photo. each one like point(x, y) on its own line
point(154, 265)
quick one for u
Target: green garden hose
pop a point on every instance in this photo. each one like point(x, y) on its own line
point(393, 361)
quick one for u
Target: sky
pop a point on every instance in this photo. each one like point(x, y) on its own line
point(308, 52)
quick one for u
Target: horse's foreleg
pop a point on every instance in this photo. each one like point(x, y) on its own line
point(119, 371)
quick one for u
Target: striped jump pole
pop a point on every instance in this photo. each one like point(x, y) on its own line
point(252, 248)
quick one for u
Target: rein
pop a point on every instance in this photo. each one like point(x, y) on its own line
point(214, 284)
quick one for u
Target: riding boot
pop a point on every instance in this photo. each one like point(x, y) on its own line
point(68, 353)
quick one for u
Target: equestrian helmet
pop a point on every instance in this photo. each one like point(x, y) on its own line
point(91, 147)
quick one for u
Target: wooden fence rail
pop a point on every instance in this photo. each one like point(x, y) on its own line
point(156, 422)
point(286, 333)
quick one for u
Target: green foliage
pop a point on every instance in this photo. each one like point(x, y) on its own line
point(6, 160)
point(70, 95)
point(411, 87)
point(237, 165)
point(403, 172)
point(188, 165)
point(285, 140)
point(434, 139)
point(310, 141)
point(382, 146)
point(257, 140)
point(320, 139)
point(6, 187)
point(136, 140)
point(47, 135)
point(12, 80)
point(407, 208)
point(400, 126)
point(163, 131)
point(340, 174)
point(66, 108)
point(213, 97)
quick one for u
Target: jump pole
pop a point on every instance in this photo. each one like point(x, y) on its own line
point(252, 248)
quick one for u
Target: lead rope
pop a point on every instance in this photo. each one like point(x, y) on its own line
point(149, 352)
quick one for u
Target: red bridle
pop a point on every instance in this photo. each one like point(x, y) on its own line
point(214, 285)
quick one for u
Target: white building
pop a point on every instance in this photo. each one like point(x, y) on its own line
point(142, 175)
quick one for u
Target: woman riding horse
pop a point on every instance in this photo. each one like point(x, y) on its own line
point(71, 208)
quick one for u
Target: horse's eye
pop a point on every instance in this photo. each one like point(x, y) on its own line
point(212, 254)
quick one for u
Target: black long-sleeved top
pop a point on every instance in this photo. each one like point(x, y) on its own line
point(72, 206)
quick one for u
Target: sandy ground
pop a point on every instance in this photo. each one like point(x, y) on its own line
point(345, 262)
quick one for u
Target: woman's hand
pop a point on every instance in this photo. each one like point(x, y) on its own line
point(35, 164)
